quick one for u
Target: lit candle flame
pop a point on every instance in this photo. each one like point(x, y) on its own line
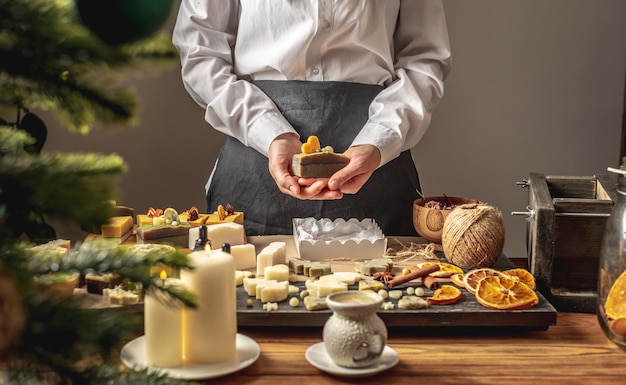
point(163, 274)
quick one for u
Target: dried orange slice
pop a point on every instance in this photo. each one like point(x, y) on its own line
point(445, 295)
point(445, 269)
point(457, 279)
point(523, 275)
point(615, 305)
point(505, 293)
point(473, 276)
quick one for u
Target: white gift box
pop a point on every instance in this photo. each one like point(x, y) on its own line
point(319, 239)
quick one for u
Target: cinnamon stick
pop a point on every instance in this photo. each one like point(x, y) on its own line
point(431, 282)
point(413, 274)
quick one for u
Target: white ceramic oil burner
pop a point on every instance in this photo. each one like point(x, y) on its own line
point(354, 335)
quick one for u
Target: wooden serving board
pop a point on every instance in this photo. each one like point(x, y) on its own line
point(467, 312)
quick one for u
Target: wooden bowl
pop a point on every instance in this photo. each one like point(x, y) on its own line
point(428, 222)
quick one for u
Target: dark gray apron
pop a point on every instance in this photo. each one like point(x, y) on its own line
point(335, 112)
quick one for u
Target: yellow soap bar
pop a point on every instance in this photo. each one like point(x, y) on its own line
point(117, 227)
point(278, 272)
point(214, 219)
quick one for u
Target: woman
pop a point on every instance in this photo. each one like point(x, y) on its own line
point(364, 76)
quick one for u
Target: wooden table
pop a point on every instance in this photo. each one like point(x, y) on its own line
point(574, 351)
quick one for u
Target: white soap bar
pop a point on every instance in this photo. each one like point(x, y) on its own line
point(278, 272)
point(245, 256)
point(347, 277)
point(194, 234)
point(261, 285)
point(240, 275)
point(325, 287)
point(273, 254)
point(275, 292)
point(231, 233)
point(250, 284)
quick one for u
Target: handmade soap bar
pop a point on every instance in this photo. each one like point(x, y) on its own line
point(312, 302)
point(240, 275)
point(231, 233)
point(325, 287)
point(250, 285)
point(278, 272)
point(275, 292)
point(273, 254)
point(347, 277)
point(371, 267)
point(318, 164)
point(118, 227)
point(214, 218)
point(176, 235)
point(245, 256)
point(370, 284)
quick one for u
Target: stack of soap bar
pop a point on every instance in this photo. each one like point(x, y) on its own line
point(118, 228)
point(273, 254)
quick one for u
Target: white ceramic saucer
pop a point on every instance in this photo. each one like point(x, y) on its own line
point(318, 357)
point(133, 355)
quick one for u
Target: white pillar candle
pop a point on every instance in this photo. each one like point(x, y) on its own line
point(163, 329)
point(210, 330)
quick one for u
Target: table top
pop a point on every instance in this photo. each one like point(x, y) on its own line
point(574, 351)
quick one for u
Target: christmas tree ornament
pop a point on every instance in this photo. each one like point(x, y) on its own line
point(123, 21)
point(36, 128)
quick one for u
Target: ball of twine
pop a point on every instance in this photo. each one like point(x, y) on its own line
point(473, 236)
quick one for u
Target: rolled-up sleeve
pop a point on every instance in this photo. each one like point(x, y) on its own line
point(401, 113)
point(204, 34)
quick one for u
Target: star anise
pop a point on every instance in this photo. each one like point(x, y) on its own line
point(384, 276)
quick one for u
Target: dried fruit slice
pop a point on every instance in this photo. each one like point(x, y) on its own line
point(473, 276)
point(505, 293)
point(457, 279)
point(170, 215)
point(523, 275)
point(445, 295)
point(445, 269)
point(615, 305)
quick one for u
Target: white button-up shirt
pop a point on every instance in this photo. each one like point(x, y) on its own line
point(400, 44)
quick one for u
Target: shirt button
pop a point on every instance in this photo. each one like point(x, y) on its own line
point(325, 24)
point(315, 71)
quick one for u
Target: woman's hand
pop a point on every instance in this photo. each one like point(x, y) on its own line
point(364, 160)
point(280, 154)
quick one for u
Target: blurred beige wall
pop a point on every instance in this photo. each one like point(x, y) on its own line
point(536, 86)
